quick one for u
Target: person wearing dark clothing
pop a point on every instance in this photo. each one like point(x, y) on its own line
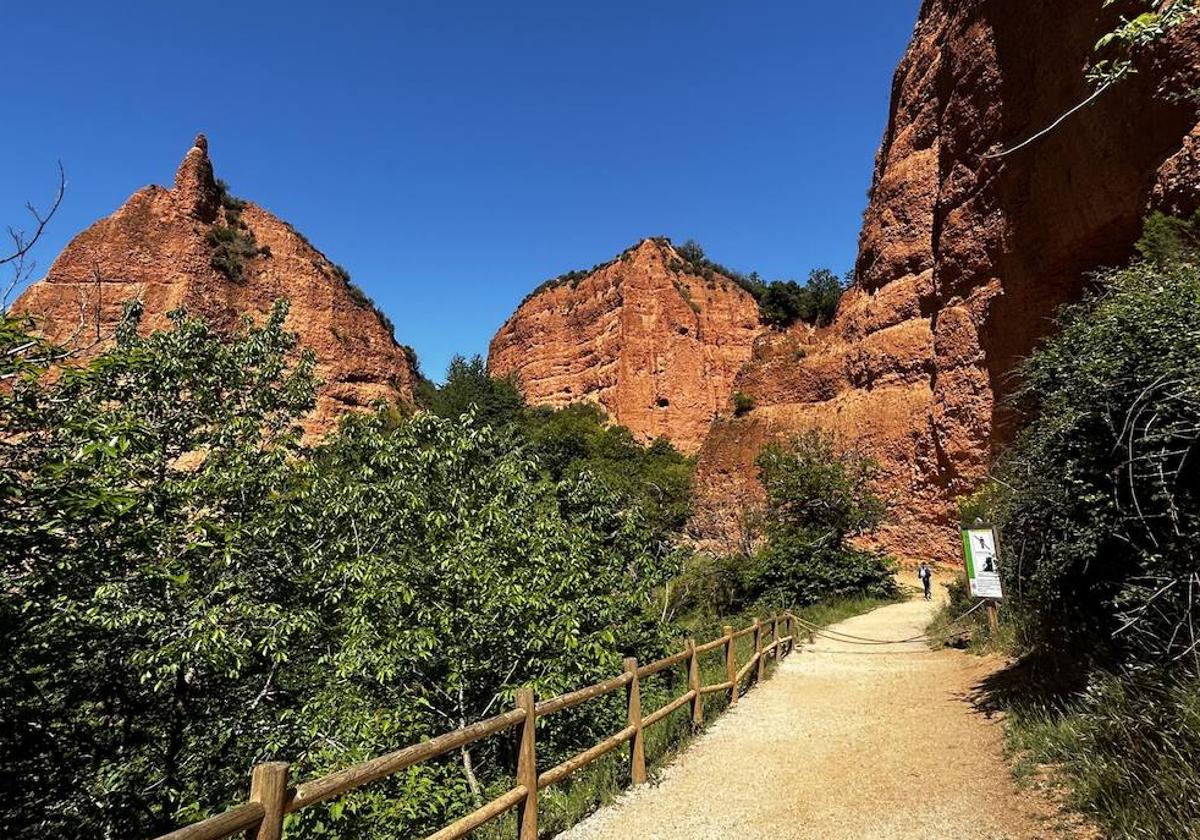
point(926, 576)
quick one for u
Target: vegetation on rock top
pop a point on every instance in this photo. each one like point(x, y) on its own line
point(781, 302)
point(232, 240)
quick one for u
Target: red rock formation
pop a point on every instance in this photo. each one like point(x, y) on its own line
point(156, 248)
point(964, 258)
point(657, 346)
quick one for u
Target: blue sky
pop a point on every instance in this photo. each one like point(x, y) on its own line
point(453, 155)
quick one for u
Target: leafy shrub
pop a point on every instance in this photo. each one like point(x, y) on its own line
point(743, 403)
point(1169, 238)
point(232, 247)
point(1104, 505)
point(1116, 51)
point(711, 585)
point(232, 241)
point(232, 205)
point(819, 495)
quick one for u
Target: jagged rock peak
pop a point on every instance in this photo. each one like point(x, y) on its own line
point(195, 182)
point(158, 248)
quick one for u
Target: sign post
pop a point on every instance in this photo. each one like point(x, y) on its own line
point(983, 570)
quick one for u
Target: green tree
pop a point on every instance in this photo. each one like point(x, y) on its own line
point(143, 606)
point(452, 571)
point(819, 496)
point(1166, 239)
point(824, 292)
point(656, 480)
point(783, 302)
point(470, 389)
point(691, 252)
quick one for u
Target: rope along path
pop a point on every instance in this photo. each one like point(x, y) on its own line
point(839, 636)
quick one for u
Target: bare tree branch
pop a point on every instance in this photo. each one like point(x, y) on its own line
point(22, 242)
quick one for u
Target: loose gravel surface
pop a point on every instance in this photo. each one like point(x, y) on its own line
point(844, 741)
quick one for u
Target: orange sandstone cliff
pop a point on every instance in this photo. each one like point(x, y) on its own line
point(964, 258)
point(158, 248)
point(657, 346)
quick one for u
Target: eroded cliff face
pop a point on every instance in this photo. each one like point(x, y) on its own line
point(156, 248)
point(964, 258)
point(656, 346)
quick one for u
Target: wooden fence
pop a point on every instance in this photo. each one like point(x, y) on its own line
point(272, 797)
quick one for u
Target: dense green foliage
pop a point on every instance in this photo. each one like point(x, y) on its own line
point(819, 496)
point(571, 441)
point(186, 590)
point(656, 479)
point(470, 390)
point(781, 302)
point(232, 242)
point(131, 578)
point(1167, 239)
point(784, 302)
point(1098, 502)
point(1104, 506)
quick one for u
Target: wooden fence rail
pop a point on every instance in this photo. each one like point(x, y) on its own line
point(272, 797)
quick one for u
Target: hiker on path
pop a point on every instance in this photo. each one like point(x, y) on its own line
point(926, 575)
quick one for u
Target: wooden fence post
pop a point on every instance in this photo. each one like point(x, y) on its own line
point(731, 665)
point(527, 774)
point(268, 787)
point(758, 647)
point(775, 637)
point(637, 746)
point(993, 620)
point(694, 684)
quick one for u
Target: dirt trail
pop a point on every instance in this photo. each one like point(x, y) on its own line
point(844, 741)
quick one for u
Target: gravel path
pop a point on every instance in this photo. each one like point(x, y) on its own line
point(843, 741)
